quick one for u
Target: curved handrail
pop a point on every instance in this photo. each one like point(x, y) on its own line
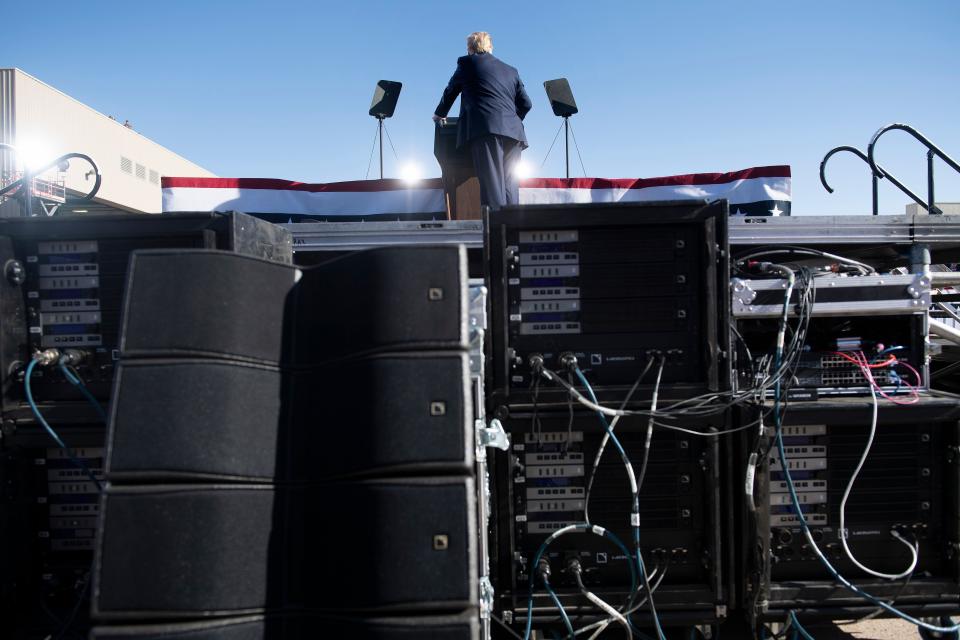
point(823, 163)
point(932, 151)
point(877, 173)
point(65, 157)
point(96, 172)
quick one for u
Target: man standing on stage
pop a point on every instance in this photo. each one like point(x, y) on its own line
point(492, 106)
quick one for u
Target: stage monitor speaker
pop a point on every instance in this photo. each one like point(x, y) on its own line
point(385, 98)
point(561, 97)
point(227, 420)
point(464, 626)
point(184, 551)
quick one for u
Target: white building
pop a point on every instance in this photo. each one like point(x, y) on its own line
point(44, 123)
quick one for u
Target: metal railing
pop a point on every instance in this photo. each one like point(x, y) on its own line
point(933, 151)
point(21, 187)
point(875, 176)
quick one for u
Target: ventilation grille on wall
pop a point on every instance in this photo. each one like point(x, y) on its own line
point(126, 165)
point(154, 177)
point(141, 172)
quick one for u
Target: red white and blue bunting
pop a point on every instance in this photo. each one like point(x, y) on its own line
point(756, 191)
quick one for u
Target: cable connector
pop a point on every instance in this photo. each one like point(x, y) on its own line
point(47, 357)
point(543, 569)
point(574, 567)
point(73, 357)
point(536, 363)
point(568, 361)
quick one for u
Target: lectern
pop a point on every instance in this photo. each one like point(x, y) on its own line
point(461, 189)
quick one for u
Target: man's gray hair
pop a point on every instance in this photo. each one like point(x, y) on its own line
point(479, 42)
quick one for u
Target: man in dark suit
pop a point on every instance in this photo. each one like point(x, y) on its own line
point(493, 104)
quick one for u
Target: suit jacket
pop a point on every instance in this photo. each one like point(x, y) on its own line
point(492, 99)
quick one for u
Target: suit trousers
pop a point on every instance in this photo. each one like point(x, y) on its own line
point(494, 159)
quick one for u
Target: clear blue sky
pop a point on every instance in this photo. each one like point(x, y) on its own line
point(281, 89)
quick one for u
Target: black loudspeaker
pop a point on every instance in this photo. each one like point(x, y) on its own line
point(561, 97)
point(214, 304)
point(182, 551)
point(189, 418)
point(301, 627)
point(166, 550)
point(392, 545)
point(385, 98)
point(400, 298)
point(391, 414)
point(298, 387)
point(206, 303)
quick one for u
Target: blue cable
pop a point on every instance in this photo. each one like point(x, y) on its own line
point(78, 383)
point(556, 601)
point(600, 531)
point(636, 506)
point(800, 630)
point(53, 434)
point(795, 503)
point(603, 418)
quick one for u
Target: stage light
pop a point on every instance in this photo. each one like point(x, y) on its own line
point(523, 170)
point(410, 173)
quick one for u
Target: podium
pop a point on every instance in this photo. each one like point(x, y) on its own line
point(461, 189)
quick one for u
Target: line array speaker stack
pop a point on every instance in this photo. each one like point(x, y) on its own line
point(291, 450)
point(62, 289)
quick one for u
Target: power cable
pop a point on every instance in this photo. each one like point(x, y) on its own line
point(649, 439)
point(576, 569)
point(914, 550)
point(796, 625)
point(75, 380)
point(603, 624)
point(50, 430)
point(606, 439)
point(635, 513)
point(572, 528)
point(556, 601)
point(805, 527)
